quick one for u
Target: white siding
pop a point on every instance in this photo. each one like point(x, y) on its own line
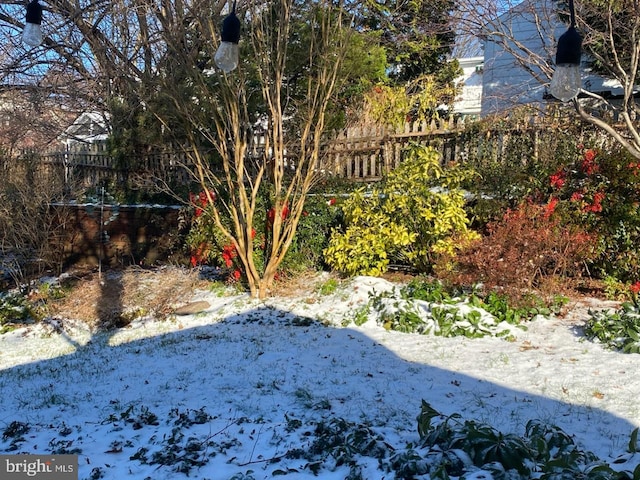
point(469, 101)
point(532, 26)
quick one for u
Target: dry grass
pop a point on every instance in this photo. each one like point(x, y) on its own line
point(117, 297)
point(300, 284)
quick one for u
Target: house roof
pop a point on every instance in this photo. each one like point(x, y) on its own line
point(88, 127)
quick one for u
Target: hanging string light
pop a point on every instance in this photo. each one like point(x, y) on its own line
point(228, 55)
point(32, 34)
point(566, 82)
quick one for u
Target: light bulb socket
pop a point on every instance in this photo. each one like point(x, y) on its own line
point(34, 13)
point(569, 48)
point(231, 28)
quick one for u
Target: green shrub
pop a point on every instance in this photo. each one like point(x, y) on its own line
point(594, 185)
point(609, 189)
point(544, 451)
point(369, 239)
point(14, 309)
point(619, 329)
point(415, 215)
point(513, 159)
point(427, 307)
point(321, 215)
point(451, 447)
point(208, 246)
point(599, 192)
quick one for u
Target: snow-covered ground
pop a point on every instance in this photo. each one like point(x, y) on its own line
point(243, 378)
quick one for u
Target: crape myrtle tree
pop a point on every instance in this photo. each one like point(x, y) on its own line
point(282, 91)
point(611, 45)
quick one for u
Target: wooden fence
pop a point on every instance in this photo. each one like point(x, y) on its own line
point(92, 164)
point(358, 153)
point(366, 153)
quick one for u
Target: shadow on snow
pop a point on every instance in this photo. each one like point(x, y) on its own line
point(261, 367)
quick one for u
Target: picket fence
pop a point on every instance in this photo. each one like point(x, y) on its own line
point(362, 153)
point(89, 164)
point(366, 153)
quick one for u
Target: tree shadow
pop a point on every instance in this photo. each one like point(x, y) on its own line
point(253, 373)
point(105, 306)
point(109, 308)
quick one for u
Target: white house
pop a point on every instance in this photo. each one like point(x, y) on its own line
point(468, 103)
point(515, 44)
point(514, 77)
point(89, 127)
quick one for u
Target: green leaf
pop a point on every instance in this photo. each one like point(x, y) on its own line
point(427, 413)
point(633, 441)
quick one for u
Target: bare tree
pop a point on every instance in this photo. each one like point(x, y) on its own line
point(526, 33)
point(611, 30)
point(292, 84)
point(517, 37)
point(96, 55)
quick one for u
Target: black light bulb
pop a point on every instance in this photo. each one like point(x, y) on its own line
point(32, 34)
point(228, 55)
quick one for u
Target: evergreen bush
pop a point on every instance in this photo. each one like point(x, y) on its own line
point(414, 216)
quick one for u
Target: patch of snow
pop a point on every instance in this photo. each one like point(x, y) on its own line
point(255, 366)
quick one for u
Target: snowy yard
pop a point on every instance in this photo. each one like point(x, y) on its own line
point(238, 389)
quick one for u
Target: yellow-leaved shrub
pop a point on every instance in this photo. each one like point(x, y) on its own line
point(415, 215)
